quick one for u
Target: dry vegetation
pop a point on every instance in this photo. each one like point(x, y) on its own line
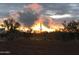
point(43, 43)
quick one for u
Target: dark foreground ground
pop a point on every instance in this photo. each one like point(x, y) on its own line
point(56, 43)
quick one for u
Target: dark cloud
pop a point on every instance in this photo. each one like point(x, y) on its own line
point(48, 8)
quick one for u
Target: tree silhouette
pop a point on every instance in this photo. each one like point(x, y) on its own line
point(11, 24)
point(71, 26)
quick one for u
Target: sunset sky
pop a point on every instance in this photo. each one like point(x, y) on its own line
point(59, 11)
